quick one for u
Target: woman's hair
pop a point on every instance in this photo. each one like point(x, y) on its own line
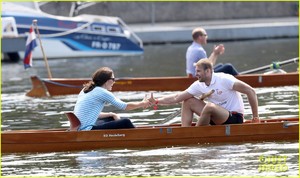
point(101, 76)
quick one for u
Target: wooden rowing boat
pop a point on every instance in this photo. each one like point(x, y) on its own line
point(55, 140)
point(67, 86)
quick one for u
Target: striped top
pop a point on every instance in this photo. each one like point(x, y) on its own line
point(89, 106)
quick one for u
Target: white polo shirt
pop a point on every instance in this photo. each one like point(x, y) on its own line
point(224, 95)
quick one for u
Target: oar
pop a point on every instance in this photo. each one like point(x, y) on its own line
point(171, 116)
point(44, 55)
point(274, 65)
point(205, 95)
point(176, 113)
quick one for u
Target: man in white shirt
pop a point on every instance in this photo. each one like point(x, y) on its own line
point(224, 106)
point(195, 52)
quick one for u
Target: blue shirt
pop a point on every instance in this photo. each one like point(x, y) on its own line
point(194, 53)
point(89, 106)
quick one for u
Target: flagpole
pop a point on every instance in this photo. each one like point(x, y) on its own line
point(45, 58)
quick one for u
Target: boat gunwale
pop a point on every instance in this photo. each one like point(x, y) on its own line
point(169, 77)
point(150, 127)
point(45, 87)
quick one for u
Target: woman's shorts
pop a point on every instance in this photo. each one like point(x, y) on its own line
point(111, 123)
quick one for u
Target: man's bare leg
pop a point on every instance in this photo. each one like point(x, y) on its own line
point(189, 107)
point(212, 112)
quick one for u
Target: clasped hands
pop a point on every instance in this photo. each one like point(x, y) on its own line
point(148, 102)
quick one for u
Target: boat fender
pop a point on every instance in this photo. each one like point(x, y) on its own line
point(160, 130)
point(227, 130)
point(169, 130)
point(260, 78)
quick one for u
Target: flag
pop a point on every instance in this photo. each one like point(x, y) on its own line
point(30, 45)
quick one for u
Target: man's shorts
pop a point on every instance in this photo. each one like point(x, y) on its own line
point(234, 118)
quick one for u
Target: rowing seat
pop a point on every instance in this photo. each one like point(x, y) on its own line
point(74, 121)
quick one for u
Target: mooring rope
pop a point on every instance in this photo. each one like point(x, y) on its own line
point(67, 32)
point(61, 84)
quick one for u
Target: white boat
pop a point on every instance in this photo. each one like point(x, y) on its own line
point(69, 37)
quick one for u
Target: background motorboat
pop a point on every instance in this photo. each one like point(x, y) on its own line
point(79, 36)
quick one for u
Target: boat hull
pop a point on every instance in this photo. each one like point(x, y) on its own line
point(147, 136)
point(75, 50)
point(68, 86)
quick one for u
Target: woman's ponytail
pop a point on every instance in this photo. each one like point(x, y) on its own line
point(99, 78)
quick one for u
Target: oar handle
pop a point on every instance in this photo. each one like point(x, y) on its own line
point(205, 95)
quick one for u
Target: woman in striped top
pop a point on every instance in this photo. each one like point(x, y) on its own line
point(95, 95)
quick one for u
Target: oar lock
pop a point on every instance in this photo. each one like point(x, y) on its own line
point(275, 65)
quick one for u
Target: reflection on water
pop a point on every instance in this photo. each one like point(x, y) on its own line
point(21, 112)
point(176, 161)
